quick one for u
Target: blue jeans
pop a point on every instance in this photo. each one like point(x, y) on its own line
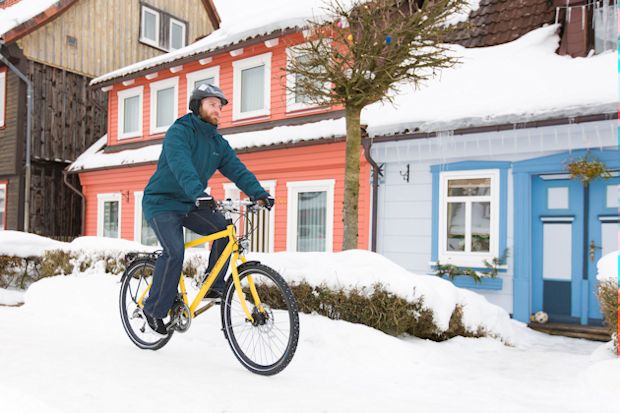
point(168, 227)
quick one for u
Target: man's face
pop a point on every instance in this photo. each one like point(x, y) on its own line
point(211, 110)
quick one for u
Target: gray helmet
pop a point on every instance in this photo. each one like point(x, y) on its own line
point(205, 90)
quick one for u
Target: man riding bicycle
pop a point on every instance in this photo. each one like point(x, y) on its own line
point(175, 197)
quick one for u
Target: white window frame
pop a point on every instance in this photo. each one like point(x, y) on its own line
point(231, 191)
point(192, 77)
point(121, 96)
point(240, 65)
point(468, 258)
point(3, 187)
point(179, 23)
point(108, 197)
point(2, 98)
point(293, 189)
point(137, 217)
point(291, 105)
point(143, 39)
point(155, 87)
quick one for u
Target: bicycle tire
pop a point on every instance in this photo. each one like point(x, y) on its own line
point(139, 270)
point(287, 299)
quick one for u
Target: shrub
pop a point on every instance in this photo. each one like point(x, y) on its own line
point(56, 262)
point(608, 297)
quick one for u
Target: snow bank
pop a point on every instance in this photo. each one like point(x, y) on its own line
point(359, 268)
point(21, 12)
point(11, 297)
point(607, 267)
point(21, 244)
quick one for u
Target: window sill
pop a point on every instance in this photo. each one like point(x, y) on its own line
point(486, 283)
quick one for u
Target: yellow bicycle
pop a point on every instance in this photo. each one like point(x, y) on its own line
point(258, 310)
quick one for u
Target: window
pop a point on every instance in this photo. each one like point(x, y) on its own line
point(150, 26)
point(605, 25)
point(468, 217)
point(2, 98)
point(3, 190)
point(310, 216)
point(195, 79)
point(109, 215)
point(130, 113)
point(295, 100)
point(143, 233)
point(164, 104)
point(251, 86)
point(177, 34)
point(162, 30)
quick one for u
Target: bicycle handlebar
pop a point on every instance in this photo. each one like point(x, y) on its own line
point(234, 205)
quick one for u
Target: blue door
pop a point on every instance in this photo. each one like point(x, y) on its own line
point(572, 226)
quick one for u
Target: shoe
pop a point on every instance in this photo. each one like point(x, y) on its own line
point(214, 295)
point(156, 326)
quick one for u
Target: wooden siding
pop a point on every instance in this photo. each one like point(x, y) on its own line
point(225, 62)
point(8, 134)
point(68, 116)
point(325, 161)
point(13, 215)
point(107, 33)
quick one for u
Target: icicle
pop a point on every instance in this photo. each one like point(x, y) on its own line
point(598, 137)
point(557, 14)
point(490, 145)
point(514, 136)
point(541, 139)
point(419, 152)
point(570, 140)
point(583, 18)
point(568, 14)
point(555, 130)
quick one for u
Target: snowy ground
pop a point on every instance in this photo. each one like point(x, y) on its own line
point(65, 351)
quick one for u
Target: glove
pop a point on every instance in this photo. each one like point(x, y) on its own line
point(205, 201)
point(266, 202)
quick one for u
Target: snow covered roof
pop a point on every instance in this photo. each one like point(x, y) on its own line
point(21, 12)
point(96, 158)
point(520, 81)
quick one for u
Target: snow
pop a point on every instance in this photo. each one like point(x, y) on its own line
point(95, 157)
point(21, 12)
point(521, 81)
point(607, 267)
point(11, 297)
point(470, 7)
point(65, 349)
point(21, 244)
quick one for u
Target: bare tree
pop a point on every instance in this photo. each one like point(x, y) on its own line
point(358, 54)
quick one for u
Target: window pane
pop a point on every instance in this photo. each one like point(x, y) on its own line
point(456, 226)
point(110, 219)
point(299, 96)
point(131, 114)
point(149, 26)
point(147, 237)
point(480, 226)
point(209, 80)
point(311, 221)
point(469, 187)
point(176, 36)
point(252, 89)
point(165, 107)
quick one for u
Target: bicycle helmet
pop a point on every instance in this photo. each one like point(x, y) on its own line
point(203, 91)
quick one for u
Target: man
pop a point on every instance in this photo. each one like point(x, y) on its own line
point(175, 197)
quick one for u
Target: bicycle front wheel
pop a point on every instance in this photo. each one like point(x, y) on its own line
point(267, 344)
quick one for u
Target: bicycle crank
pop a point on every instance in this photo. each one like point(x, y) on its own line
point(180, 318)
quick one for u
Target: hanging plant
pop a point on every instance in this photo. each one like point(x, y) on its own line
point(587, 169)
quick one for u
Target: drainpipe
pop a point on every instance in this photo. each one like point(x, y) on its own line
point(77, 191)
point(376, 173)
point(28, 135)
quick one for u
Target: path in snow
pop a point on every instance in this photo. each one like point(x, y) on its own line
point(65, 351)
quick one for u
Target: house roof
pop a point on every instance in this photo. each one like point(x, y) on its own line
point(25, 16)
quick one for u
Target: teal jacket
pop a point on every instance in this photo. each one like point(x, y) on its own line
point(192, 151)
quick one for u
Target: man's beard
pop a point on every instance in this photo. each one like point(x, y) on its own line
point(208, 118)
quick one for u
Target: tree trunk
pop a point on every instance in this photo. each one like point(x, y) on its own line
point(352, 179)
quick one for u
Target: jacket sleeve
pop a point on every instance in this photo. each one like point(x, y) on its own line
point(178, 153)
point(232, 168)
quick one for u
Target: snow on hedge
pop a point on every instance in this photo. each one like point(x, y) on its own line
point(607, 267)
point(346, 270)
point(21, 244)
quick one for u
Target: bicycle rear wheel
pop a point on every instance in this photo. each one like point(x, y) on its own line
point(267, 345)
point(134, 285)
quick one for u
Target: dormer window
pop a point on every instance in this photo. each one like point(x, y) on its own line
point(162, 30)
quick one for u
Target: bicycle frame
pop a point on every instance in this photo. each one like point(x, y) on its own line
point(229, 251)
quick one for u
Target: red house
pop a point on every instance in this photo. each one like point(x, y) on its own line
point(296, 150)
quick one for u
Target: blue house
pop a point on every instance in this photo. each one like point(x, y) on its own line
point(472, 165)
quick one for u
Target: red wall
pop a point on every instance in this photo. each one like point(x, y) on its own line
point(323, 161)
point(224, 60)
